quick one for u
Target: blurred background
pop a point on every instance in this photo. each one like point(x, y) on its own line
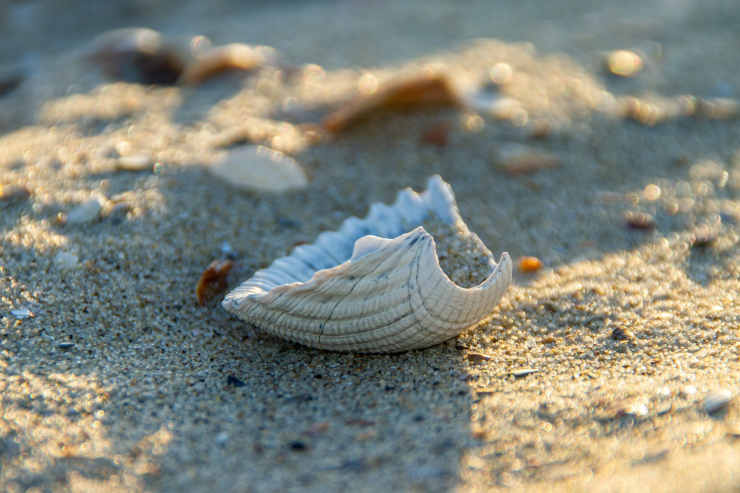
point(369, 33)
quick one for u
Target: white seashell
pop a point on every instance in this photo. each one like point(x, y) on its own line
point(260, 168)
point(372, 286)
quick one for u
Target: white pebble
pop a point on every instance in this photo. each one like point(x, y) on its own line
point(260, 168)
point(21, 313)
point(135, 162)
point(717, 401)
point(66, 260)
point(85, 212)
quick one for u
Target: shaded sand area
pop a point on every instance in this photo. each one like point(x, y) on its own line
point(113, 378)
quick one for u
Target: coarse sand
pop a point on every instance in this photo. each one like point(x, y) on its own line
point(613, 368)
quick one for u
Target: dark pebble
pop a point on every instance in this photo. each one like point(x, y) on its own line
point(233, 381)
point(65, 346)
point(298, 446)
point(137, 55)
point(299, 398)
point(288, 223)
point(639, 220)
point(704, 237)
point(620, 334)
point(9, 80)
point(228, 252)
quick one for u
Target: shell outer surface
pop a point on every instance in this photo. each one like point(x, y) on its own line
point(373, 286)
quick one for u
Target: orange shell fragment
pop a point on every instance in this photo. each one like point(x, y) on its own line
point(213, 280)
point(220, 59)
point(426, 90)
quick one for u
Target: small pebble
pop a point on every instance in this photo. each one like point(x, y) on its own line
point(13, 194)
point(639, 220)
point(529, 264)
point(524, 372)
point(704, 237)
point(621, 334)
point(135, 162)
point(298, 446)
point(66, 260)
point(21, 313)
point(261, 169)
point(234, 381)
point(517, 159)
point(501, 73)
point(137, 55)
point(623, 63)
point(651, 192)
point(227, 251)
point(85, 213)
point(643, 112)
point(717, 402)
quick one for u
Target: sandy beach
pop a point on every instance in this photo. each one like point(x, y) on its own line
point(614, 367)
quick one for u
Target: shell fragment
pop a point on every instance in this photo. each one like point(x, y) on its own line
point(375, 285)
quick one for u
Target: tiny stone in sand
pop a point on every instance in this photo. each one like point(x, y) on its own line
point(623, 63)
point(136, 162)
point(260, 168)
point(718, 401)
point(85, 212)
point(66, 260)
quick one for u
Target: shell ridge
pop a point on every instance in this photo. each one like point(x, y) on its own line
point(316, 284)
point(323, 324)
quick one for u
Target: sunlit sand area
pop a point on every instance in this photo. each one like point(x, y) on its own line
point(156, 155)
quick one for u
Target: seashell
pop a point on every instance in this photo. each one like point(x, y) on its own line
point(260, 168)
point(425, 90)
point(375, 285)
point(213, 280)
point(138, 54)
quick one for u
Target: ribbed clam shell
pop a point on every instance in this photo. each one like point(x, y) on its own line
point(373, 286)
